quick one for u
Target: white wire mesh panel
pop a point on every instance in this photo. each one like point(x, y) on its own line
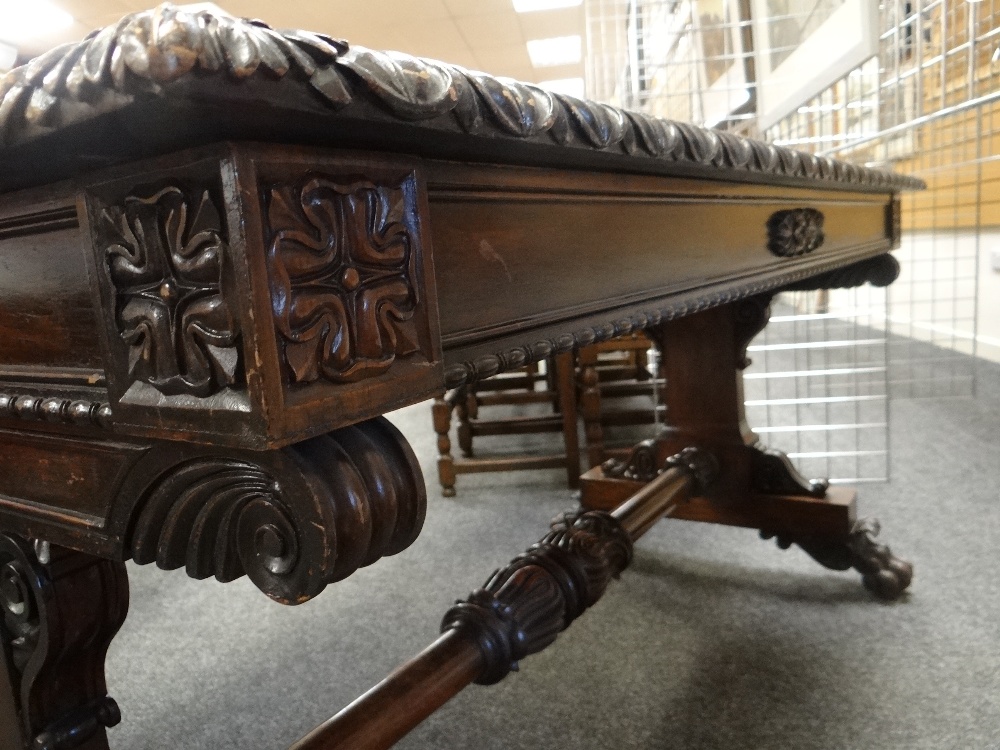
point(928, 104)
point(817, 385)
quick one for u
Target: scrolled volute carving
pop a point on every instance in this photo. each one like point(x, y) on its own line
point(700, 465)
point(640, 465)
point(795, 232)
point(524, 606)
point(342, 270)
point(329, 506)
point(643, 465)
point(166, 257)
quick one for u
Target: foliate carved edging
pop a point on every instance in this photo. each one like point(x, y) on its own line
point(795, 232)
point(348, 499)
point(489, 365)
point(524, 606)
point(166, 259)
point(55, 409)
point(342, 270)
point(144, 52)
point(57, 638)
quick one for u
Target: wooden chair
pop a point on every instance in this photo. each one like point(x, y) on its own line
point(516, 389)
point(609, 371)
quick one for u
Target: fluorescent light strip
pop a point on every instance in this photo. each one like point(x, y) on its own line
point(557, 50)
point(530, 6)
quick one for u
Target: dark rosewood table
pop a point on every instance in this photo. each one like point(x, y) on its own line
point(226, 251)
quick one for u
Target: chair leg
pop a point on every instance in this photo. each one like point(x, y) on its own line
point(566, 387)
point(590, 409)
point(441, 413)
point(464, 428)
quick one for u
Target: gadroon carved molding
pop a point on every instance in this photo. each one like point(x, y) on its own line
point(820, 276)
point(165, 255)
point(342, 268)
point(150, 55)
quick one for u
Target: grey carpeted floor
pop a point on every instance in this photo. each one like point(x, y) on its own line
point(712, 639)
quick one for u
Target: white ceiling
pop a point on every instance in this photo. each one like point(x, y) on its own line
point(485, 35)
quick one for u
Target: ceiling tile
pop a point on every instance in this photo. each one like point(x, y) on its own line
point(504, 61)
point(478, 7)
point(557, 71)
point(81, 9)
point(436, 39)
point(550, 23)
point(496, 30)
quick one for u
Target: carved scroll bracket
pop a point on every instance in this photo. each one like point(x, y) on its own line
point(293, 521)
point(59, 617)
point(774, 474)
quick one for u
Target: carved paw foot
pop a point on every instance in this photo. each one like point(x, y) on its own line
point(882, 573)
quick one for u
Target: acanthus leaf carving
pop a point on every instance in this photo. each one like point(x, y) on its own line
point(145, 52)
point(525, 605)
point(166, 258)
point(342, 269)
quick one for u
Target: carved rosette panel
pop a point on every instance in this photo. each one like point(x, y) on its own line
point(166, 256)
point(343, 276)
point(324, 508)
point(795, 232)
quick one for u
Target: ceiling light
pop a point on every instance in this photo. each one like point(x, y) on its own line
point(568, 86)
point(558, 50)
point(31, 20)
point(530, 6)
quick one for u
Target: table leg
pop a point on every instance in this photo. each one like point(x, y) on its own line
point(61, 609)
point(703, 358)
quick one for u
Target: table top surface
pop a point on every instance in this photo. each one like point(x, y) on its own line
point(168, 78)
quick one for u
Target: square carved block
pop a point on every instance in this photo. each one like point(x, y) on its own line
point(258, 295)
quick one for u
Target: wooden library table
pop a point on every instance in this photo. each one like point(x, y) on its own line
point(226, 251)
